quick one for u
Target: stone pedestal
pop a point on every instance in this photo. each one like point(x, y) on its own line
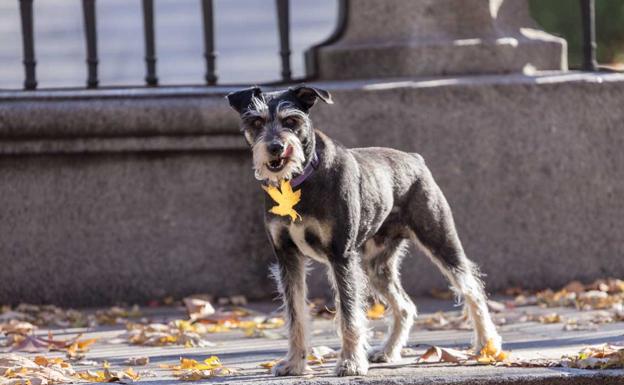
point(397, 38)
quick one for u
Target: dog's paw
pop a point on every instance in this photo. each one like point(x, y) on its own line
point(290, 368)
point(351, 367)
point(381, 355)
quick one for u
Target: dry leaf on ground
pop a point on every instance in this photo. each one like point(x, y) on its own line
point(50, 315)
point(76, 350)
point(198, 307)
point(177, 332)
point(108, 375)
point(376, 311)
point(34, 344)
point(319, 354)
point(193, 370)
point(18, 369)
point(597, 357)
point(488, 355)
point(551, 318)
point(445, 321)
point(268, 365)
point(137, 361)
point(439, 354)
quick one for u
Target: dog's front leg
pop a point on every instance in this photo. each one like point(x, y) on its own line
point(289, 273)
point(349, 284)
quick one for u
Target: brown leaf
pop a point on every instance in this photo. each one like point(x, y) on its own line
point(137, 361)
point(438, 354)
point(198, 307)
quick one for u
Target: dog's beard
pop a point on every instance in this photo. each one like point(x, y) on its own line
point(293, 166)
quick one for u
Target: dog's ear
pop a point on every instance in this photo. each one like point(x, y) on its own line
point(240, 100)
point(309, 95)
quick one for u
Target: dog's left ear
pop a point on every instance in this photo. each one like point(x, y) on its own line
point(308, 95)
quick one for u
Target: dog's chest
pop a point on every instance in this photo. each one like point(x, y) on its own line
point(306, 247)
point(310, 236)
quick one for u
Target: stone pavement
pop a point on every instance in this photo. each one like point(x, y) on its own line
point(524, 339)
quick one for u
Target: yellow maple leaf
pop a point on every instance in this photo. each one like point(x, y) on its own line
point(269, 364)
point(490, 354)
point(285, 198)
point(376, 311)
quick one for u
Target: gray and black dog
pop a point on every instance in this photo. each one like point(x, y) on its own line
point(359, 208)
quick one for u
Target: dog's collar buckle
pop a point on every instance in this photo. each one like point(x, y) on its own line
point(307, 171)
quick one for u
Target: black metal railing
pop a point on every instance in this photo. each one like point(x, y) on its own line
point(588, 20)
point(151, 77)
point(588, 17)
point(150, 43)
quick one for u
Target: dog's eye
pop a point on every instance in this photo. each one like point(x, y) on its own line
point(289, 122)
point(257, 123)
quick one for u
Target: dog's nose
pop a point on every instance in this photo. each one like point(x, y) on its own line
point(275, 148)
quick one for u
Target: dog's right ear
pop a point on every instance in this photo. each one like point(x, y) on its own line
point(240, 100)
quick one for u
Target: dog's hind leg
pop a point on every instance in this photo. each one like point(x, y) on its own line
point(381, 262)
point(431, 220)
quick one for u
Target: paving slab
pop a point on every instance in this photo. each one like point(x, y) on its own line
point(524, 339)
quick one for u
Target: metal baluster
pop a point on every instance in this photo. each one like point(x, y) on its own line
point(150, 50)
point(283, 22)
point(28, 43)
point(88, 8)
point(209, 52)
point(588, 14)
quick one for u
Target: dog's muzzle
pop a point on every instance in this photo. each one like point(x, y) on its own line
point(280, 155)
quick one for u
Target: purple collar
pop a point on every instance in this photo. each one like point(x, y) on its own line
point(307, 171)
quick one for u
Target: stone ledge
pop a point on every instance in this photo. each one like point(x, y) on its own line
point(115, 113)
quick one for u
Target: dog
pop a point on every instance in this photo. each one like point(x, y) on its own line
point(355, 211)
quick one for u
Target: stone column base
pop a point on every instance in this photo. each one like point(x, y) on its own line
point(408, 38)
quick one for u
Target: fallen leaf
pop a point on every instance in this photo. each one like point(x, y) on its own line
point(269, 364)
point(551, 318)
point(38, 371)
point(490, 354)
point(137, 361)
point(445, 321)
point(108, 375)
point(377, 311)
point(178, 332)
point(198, 307)
point(76, 350)
point(438, 354)
point(319, 354)
point(597, 357)
point(193, 370)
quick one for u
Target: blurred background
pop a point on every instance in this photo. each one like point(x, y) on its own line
point(246, 39)
point(562, 18)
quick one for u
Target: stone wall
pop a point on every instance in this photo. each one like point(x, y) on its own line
point(130, 195)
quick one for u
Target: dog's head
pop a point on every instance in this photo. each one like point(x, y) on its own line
point(278, 128)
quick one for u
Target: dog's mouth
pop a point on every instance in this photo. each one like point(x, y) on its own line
point(280, 162)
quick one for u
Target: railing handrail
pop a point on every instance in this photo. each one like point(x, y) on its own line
point(151, 75)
